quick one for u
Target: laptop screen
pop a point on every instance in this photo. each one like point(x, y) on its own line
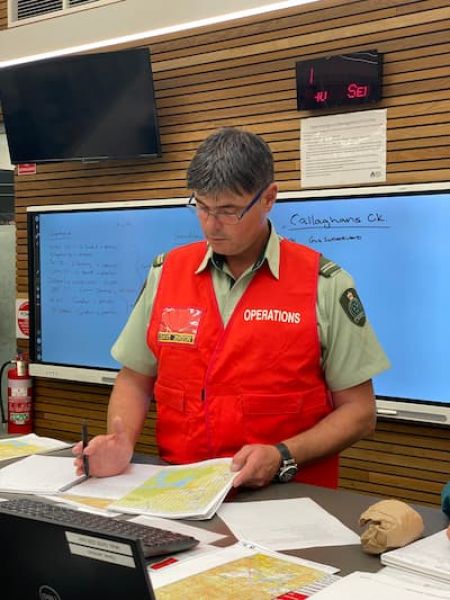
point(50, 561)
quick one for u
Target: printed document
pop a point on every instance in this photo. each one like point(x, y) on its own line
point(286, 524)
point(193, 491)
point(39, 474)
point(15, 447)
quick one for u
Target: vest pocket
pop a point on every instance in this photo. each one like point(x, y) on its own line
point(269, 418)
point(180, 425)
point(268, 404)
point(169, 397)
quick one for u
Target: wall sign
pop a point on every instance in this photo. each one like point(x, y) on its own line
point(345, 79)
point(22, 318)
point(343, 149)
point(26, 169)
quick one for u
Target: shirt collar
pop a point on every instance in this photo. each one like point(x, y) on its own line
point(271, 254)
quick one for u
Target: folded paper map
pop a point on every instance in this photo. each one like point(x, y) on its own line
point(193, 491)
point(15, 447)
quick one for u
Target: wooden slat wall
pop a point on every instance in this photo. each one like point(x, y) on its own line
point(3, 14)
point(243, 74)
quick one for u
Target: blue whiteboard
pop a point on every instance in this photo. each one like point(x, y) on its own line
point(397, 248)
point(91, 266)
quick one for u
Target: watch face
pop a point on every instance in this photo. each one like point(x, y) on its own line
point(287, 473)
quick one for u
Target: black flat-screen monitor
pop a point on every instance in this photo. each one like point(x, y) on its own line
point(81, 107)
point(87, 264)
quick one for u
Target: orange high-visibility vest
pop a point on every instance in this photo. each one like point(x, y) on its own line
point(256, 381)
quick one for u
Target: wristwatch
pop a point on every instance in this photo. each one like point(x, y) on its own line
point(288, 468)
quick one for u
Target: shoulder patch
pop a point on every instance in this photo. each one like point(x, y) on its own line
point(158, 261)
point(353, 307)
point(327, 267)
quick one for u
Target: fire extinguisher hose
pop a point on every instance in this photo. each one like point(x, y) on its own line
point(2, 407)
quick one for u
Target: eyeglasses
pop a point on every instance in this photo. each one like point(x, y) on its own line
point(226, 216)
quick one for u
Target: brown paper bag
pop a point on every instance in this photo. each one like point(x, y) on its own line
point(392, 524)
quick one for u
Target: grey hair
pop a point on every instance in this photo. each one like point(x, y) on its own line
point(233, 160)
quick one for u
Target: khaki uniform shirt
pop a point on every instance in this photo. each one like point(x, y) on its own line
point(351, 353)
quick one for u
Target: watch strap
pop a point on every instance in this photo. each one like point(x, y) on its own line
point(285, 453)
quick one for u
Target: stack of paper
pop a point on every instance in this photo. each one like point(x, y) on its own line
point(428, 584)
point(39, 475)
point(368, 586)
point(429, 556)
point(192, 491)
point(15, 447)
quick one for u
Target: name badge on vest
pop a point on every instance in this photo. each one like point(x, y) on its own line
point(179, 325)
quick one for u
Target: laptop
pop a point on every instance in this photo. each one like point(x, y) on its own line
point(41, 560)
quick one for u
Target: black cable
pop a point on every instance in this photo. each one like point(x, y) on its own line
point(2, 408)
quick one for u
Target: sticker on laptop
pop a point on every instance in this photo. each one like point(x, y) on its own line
point(102, 549)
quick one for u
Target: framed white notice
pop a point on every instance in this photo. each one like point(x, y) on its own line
point(343, 149)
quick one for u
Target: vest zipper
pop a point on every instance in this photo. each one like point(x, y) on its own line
point(202, 395)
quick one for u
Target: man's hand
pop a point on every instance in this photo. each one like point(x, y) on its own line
point(258, 464)
point(108, 454)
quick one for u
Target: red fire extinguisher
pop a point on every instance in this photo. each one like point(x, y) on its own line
point(20, 390)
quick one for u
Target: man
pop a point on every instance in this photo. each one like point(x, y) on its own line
point(254, 347)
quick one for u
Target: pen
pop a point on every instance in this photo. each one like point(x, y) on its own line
point(85, 440)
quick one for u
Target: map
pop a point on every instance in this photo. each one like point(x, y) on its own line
point(181, 491)
point(102, 503)
point(257, 577)
point(15, 447)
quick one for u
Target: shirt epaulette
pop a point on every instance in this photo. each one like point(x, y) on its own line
point(158, 261)
point(327, 267)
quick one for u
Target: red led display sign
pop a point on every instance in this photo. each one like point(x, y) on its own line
point(340, 80)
